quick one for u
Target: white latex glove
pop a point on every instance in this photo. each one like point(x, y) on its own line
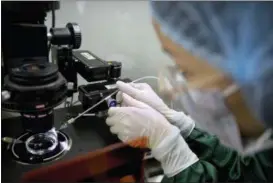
point(144, 93)
point(139, 120)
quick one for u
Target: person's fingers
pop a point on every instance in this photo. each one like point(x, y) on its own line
point(127, 88)
point(115, 114)
point(140, 86)
point(120, 100)
point(122, 137)
point(110, 121)
point(139, 142)
point(119, 97)
point(116, 129)
point(131, 102)
point(114, 110)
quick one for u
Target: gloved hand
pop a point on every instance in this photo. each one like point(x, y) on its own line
point(139, 120)
point(144, 93)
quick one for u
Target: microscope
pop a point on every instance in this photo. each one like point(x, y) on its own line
point(33, 85)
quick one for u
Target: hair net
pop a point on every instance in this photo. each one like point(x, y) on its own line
point(236, 37)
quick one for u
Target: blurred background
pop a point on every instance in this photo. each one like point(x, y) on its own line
point(116, 30)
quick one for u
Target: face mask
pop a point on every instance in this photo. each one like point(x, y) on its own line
point(208, 109)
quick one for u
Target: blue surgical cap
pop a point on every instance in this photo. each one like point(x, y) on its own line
point(236, 37)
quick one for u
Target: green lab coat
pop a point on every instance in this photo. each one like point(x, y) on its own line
point(221, 164)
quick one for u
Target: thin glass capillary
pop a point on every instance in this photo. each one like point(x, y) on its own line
point(11, 140)
point(72, 120)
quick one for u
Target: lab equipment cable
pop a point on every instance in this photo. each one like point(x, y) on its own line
point(72, 120)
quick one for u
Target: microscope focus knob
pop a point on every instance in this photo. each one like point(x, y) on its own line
point(70, 35)
point(75, 31)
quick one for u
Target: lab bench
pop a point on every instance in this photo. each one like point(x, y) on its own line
point(95, 155)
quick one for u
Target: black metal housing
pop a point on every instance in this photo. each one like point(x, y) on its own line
point(92, 68)
point(91, 94)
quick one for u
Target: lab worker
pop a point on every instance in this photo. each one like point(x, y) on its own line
point(231, 42)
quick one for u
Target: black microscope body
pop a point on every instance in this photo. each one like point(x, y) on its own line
point(33, 85)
